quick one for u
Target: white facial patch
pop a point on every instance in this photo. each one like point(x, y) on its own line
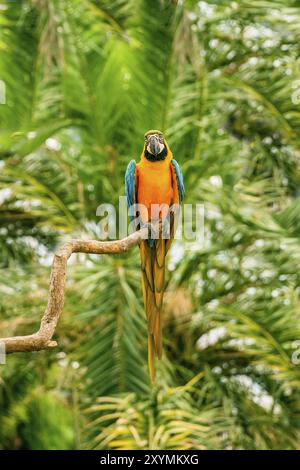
point(160, 144)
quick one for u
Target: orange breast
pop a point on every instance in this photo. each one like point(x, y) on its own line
point(154, 182)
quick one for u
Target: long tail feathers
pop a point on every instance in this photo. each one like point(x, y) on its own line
point(153, 280)
point(151, 357)
point(153, 283)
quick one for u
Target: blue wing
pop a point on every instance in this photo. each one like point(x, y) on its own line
point(130, 183)
point(179, 178)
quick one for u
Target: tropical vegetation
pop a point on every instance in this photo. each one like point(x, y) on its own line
point(84, 79)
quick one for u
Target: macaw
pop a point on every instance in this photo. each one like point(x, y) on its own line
point(156, 179)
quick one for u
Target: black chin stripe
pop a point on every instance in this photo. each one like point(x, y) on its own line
point(155, 158)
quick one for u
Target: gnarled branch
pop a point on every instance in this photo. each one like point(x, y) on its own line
point(42, 339)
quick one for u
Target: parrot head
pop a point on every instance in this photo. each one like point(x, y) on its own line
point(155, 148)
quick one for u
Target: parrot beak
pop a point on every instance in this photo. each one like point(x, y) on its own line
point(154, 145)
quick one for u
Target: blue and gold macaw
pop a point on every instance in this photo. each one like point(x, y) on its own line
point(156, 179)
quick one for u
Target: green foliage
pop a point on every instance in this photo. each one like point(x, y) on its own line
point(221, 79)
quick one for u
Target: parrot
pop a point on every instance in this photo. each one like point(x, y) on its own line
point(155, 179)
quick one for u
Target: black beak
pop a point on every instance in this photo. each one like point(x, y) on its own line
point(154, 145)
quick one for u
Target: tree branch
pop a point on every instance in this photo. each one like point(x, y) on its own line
point(42, 339)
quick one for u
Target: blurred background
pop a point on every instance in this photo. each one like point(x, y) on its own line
point(84, 79)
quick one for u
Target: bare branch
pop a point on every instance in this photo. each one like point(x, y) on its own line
point(43, 338)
